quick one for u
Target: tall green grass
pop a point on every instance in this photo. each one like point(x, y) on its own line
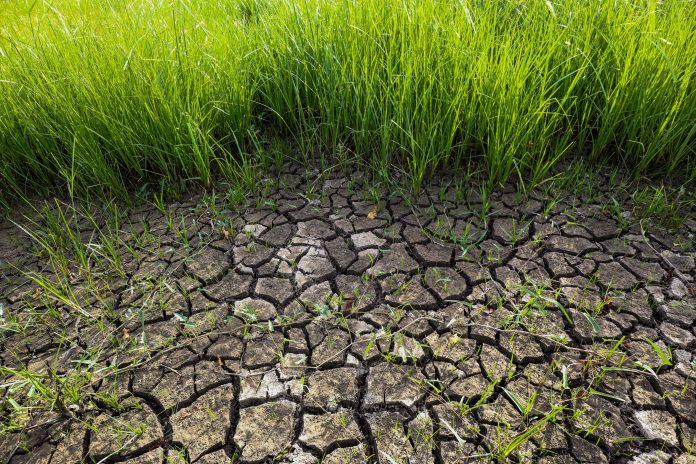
point(109, 95)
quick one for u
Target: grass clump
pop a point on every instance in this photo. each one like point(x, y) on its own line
point(107, 95)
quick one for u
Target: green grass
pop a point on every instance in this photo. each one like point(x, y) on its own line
point(106, 96)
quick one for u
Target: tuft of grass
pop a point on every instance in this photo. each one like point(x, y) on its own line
point(101, 96)
point(663, 205)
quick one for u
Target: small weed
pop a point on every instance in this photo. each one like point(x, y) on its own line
point(662, 205)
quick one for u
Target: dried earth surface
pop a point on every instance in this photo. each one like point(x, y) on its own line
point(344, 327)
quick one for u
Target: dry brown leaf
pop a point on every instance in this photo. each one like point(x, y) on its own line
point(372, 214)
point(349, 302)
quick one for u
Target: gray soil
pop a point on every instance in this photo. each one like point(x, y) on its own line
point(319, 331)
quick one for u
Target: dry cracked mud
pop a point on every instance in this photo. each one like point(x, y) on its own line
point(343, 328)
